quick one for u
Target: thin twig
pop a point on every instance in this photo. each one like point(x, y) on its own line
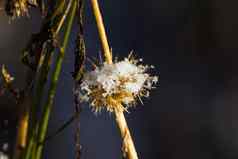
point(80, 50)
point(80, 54)
point(62, 127)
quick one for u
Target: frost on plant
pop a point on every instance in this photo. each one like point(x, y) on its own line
point(116, 86)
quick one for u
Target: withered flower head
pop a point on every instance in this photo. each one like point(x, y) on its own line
point(17, 8)
point(6, 75)
point(116, 86)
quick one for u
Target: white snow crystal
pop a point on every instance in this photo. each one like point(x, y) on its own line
point(116, 85)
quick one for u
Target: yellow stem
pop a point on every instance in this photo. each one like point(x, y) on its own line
point(128, 148)
point(101, 31)
point(22, 128)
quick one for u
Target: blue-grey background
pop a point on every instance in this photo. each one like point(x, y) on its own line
point(193, 113)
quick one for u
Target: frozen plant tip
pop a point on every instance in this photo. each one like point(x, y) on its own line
point(116, 86)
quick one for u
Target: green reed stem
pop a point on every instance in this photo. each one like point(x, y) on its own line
point(40, 83)
point(53, 83)
point(42, 70)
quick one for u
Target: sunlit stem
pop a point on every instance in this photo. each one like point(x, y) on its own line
point(101, 31)
point(128, 148)
point(53, 83)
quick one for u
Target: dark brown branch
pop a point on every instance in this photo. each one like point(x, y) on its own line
point(80, 53)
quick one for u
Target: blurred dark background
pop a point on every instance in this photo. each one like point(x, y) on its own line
point(193, 113)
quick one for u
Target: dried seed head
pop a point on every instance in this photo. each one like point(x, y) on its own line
point(6, 75)
point(17, 8)
point(116, 86)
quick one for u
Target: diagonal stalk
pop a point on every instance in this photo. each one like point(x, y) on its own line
point(42, 73)
point(46, 40)
point(101, 31)
point(53, 83)
point(128, 148)
point(43, 68)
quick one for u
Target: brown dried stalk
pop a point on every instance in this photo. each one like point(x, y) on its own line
point(80, 52)
point(22, 127)
point(23, 101)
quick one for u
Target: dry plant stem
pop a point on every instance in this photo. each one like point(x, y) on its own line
point(24, 104)
point(63, 18)
point(80, 54)
point(53, 83)
point(128, 148)
point(22, 130)
point(101, 31)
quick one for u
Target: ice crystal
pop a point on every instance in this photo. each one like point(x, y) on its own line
point(116, 86)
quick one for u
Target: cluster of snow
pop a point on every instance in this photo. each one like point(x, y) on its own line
point(125, 78)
